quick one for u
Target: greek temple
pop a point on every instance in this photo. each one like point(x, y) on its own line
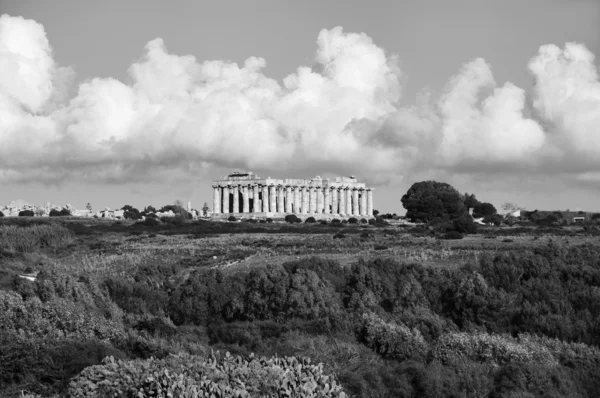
point(248, 195)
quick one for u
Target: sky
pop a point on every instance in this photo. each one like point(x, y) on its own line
point(145, 102)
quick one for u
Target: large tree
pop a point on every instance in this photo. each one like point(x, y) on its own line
point(483, 209)
point(429, 200)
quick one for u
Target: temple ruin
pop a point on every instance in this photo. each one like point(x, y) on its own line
point(248, 195)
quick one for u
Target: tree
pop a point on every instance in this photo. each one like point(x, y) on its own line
point(483, 209)
point(1, 214)
point(149, 209)
point(88, 207)
point(375, 213)
point(427, 200)
point(470, 201)
point(205, 209)
point(508, 206)
point(131, 213)
point(26, 213)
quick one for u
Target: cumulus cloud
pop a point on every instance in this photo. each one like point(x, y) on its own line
point(340, 115)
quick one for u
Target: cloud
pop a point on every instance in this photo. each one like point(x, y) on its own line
point(567, 97)
point(342, 115)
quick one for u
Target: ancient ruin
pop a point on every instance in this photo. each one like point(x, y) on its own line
point(248, 195)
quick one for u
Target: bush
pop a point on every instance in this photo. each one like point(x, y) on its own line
point(465, 225)
point(491, 348)
point(292, 218)
point(380, 247)
point(352, 220)
point(216, 375)
point(339, 235)
point(269, 220)
point(392, 340)
point(231, 218)
point(33, 238)
point(149, 222)
point(452, 235)
point(310, 220)
point(363, 221)
point(323, 222)
point(26, 213)
point(336, 221)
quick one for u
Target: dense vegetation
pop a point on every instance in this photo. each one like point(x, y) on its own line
point(515, 320)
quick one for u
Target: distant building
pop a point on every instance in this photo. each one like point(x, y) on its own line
point(246, 194)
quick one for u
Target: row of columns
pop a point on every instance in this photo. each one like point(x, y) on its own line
point(294, 199)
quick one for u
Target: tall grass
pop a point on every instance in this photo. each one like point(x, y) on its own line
point(32, 238)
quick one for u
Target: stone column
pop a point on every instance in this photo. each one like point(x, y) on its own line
point(342, 199)
point(319, 200)
point(256, 195)
point(265, 199)
point(349, 201)
point(370, 202)
point(334, 201)
point(355, 209)
point(236, 198)
point(288, 199)
point(226, 199)
point(327, 200)
point(312, 199)
point(246, 199)
point(305, 201)
point(216, 199)
point(280, 193)
point(296, 195)
point(363, 202)
point(272, 199)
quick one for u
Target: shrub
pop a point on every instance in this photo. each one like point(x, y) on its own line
point(452, 235)
point(310, 220)
point(149, 222)
point(26, 213)
point(292, 218)
point(323, 222)
point(380, 247)
point(216, 375)
point(344, 221)
point(363, 221)
point(231, 218)
point(465, 225)
point(262, 221)
point(352, 220)
point(34, 237)
point(269, 220)
point(392, 340)
point(491, 348)
point(339, 235)
point(1, 214)
point(336, 221)
point(55, 213)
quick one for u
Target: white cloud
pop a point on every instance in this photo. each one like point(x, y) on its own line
point(342, 115)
